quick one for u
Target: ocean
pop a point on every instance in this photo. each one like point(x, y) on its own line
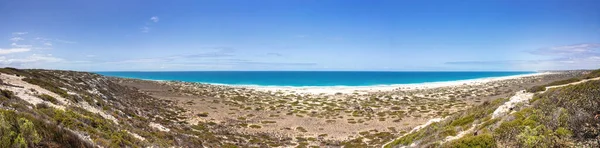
point(309, 78)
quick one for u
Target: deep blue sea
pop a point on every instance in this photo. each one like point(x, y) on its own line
point(309, 78)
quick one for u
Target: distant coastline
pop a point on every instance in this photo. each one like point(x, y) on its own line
point(346, 89)
point(381, 88)
point(310, 79)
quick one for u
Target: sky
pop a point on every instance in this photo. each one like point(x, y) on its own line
point(313, 35)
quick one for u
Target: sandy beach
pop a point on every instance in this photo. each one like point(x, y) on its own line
point(329, 90)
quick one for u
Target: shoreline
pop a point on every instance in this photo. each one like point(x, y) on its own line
point(344, 89)
point(328, 90)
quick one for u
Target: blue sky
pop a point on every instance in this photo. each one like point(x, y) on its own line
point(394, 35)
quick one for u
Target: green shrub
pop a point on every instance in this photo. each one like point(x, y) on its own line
point(204, 114)
point(592, 74)
point(48, 86)
point(406, 139)
point(7, 94)
point(536, 88)
point(463, 121)
point(268, 122)
point(534, 137)
point(479, 141)
point(17, 131)
point(48, 98)
point(563, 132)
point(301, 129)
point(448, 131)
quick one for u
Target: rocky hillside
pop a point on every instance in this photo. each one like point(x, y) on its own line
point(47, 108)
point(559, 114)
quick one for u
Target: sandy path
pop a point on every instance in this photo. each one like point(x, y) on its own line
point(521, 96)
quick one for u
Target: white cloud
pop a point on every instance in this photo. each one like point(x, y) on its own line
point(54, 40)
point(64, 41)
point(145, 29)
point(35, 58)
point(13, 50)
point(154, 19)
point(16, 39)
point(48, 44)
point(19, 33)
point(20, 46)
point(568, 49)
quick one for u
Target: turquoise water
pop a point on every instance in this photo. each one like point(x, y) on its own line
point(310, 78)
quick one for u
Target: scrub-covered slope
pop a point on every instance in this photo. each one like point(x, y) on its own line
point(47, 108)
point(565, 115)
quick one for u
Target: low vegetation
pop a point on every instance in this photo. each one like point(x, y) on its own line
point(141, 120)
point(560, 117)
point(432, 134)
point(589, 75)
point(41, 125)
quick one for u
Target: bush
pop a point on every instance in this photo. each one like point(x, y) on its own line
point(463, 121)
point(536, 88)
point(6, 94)
point(301, 129)
point(448, 131)
point(17, 131)
point(479, 141)
point(592, 74)
point(47, 86)
point(204, 114)
point(48, 98)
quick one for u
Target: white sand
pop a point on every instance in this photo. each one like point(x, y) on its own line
point(379, 88)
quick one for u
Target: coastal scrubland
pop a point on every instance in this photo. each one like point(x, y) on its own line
point(564, 115)
point(339, 119)
point(51, 108)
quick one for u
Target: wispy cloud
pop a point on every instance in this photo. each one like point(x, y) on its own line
point(19, 33)
point(154, 19)
point(507, 62)
point(219, 52)
point(13, 50)
point(216, 53)
point(221, 57)
point(277, 63)
point(559, 57)
point(274, 54)
point(46, 40)
point(64, 41)
point(16, 39)
point(145, 29)
point(20, 46)
point(32, 59)
point(17, 56)
point(568, 50)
